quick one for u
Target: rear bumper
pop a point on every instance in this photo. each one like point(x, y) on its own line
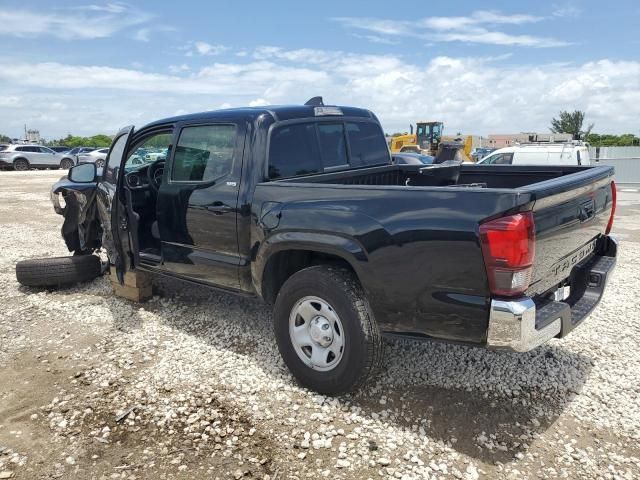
point(523, 324)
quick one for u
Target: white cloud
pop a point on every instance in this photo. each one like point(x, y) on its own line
point(179, 68)
point(10, 101)
point(259, 102)
point(469, 29)
point(567, 10)
point(472, 95)
point(204, 48)
point(142, 35)
point(376, 39)
point(83, 23)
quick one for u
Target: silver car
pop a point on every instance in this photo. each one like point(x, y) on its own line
point(25, 157)
point(98, 157)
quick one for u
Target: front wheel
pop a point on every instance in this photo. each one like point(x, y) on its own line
point(325, 330)
point(21, 165)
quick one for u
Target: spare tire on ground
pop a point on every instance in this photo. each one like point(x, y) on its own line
point(58, 271)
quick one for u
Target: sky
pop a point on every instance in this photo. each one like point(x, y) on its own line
point(481, 67)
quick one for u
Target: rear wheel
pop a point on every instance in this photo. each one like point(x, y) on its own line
point(325, 330)
point(21, 164)
point(58, 271)
point(66, 163)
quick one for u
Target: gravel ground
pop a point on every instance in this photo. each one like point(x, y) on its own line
point(190, 385)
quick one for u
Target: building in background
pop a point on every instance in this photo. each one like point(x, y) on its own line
point(32, 136)
point(509, 139)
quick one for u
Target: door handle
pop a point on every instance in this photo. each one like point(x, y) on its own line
point(219, 208)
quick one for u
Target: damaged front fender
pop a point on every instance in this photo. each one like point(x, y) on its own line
point(82, 228)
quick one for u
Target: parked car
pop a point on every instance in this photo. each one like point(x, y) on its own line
point(24, 157)
point(411, 159)
point(300, 206)
point(480, 153)
point(540, 154)
point(95, 156)
point(80, 150)
point(60, 148)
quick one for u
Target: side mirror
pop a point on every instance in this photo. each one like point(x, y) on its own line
point(83, 173)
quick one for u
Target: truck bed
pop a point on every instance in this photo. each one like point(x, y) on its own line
point(427, 220)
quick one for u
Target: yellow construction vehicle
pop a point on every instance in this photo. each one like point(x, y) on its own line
point(427, 139)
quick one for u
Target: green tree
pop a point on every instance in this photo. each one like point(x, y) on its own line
point(607, 140)
point(4, 139)
point(570, 122)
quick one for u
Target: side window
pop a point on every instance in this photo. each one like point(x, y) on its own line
point(367, 143)
point(204, 153)
point(503, 159)
point(332, 144)
point(114, 157)
point(293, 150)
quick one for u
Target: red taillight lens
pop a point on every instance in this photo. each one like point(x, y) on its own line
point(508, 248)
point(614, 195)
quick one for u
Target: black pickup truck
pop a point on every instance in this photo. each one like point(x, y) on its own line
point(303, 207)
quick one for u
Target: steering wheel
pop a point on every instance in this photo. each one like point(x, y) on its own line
point(154, 174)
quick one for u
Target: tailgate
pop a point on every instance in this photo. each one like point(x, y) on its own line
point(570, 213)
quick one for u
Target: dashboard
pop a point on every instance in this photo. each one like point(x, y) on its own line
point(146, 177)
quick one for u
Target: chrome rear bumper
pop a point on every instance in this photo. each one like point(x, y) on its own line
point(519, 325)
point(512, 326)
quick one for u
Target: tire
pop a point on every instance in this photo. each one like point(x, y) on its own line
point(66, 164)
point(57, 271)
point(100, 163)
point(21, 164)
point(343, 296)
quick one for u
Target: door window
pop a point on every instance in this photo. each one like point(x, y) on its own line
point(113, 160)
point(204, 153)
point(150, 149)
point(499, 159)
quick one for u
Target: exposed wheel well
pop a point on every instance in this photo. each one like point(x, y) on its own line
point(283, 264)
point(20, 158)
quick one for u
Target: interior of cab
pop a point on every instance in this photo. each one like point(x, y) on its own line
point(144, 171)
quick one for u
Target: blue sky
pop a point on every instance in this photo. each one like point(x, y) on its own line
point(481, 67)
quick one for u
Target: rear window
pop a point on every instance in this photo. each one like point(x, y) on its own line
point(305, 148)
point(294, 151)
point(367, 143)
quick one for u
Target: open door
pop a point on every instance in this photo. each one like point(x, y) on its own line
point(124, 221)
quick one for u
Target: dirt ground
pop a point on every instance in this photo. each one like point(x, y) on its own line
point(190, 384)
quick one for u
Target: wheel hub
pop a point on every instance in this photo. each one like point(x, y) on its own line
point(316, 333)
point(320, 331)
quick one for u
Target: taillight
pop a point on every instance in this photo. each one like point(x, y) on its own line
point(613, 207)
point(508, 248)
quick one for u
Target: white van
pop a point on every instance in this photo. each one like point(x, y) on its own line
point(569, 153)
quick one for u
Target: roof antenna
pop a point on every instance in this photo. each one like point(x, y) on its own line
point(315, 102)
